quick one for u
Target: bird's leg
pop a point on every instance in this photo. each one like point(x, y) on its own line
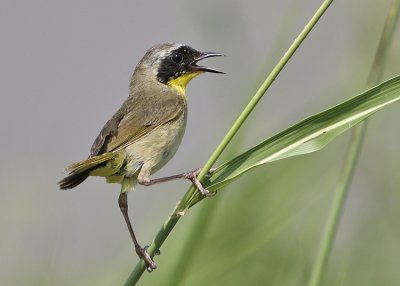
point(141, 251)
point(143, 179)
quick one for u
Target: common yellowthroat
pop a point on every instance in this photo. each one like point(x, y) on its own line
point(146, 131)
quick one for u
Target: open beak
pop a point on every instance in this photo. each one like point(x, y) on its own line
point(195, 67)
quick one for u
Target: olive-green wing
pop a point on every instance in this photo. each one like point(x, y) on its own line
point(135, 119)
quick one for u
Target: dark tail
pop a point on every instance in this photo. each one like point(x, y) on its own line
point(73, 180)
point(78, 172)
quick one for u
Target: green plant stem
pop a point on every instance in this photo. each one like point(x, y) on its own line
point(353, 152)
point(184, 204)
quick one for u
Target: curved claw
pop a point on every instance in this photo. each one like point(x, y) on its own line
point(209, 194)
point(210, 172)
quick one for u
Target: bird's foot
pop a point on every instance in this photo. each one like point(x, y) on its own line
point(192, 176)
point(148, 261)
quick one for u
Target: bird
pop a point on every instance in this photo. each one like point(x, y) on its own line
point(146, 131)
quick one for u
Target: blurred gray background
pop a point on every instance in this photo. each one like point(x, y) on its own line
point(65, 68)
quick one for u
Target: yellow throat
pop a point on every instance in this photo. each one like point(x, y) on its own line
point(180, 83)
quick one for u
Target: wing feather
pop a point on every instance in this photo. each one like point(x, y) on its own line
point(135, 119)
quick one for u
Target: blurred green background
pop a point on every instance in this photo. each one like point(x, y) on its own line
point(65, 67)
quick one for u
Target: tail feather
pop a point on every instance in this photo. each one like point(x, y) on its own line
point(88, 164)
point(78, 172)
point(73, 180)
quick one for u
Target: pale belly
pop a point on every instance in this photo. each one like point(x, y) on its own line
point(156, 148)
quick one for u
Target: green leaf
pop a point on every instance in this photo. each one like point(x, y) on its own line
point(309, 135)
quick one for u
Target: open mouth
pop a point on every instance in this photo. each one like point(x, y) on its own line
point(202, 56)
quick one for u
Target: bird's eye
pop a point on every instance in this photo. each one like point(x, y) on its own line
point(177, 58)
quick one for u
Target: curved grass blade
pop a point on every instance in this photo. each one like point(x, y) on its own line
point(309, 135)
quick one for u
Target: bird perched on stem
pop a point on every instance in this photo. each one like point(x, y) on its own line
point(146, 131)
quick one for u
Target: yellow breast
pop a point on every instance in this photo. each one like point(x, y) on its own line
point(181, 82)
